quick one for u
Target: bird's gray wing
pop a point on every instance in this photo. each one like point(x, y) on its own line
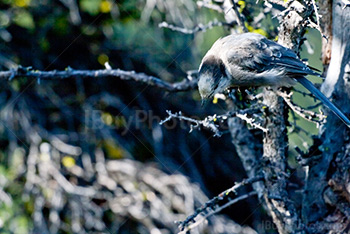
point(258, 54)
point(255, 53)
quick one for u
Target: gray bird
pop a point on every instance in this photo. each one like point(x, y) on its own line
point(251, 60)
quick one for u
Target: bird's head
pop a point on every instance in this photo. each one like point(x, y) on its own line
point(212, 78)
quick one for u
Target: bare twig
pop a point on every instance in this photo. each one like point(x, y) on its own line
point(240, 20)
point(304, 113)
point(198, 28)
point(316, 14)
point(217, 210)
point(277, 2)
point(251, 122)
point(209, 121)
point(212, 206)
point(186, 84)
point(208, 5)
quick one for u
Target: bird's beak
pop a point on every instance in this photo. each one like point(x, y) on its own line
point(205, 102)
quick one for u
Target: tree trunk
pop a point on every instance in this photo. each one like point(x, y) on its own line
point(326, 185)
point(327, 193)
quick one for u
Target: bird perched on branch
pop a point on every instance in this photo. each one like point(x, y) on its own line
point(251, 60)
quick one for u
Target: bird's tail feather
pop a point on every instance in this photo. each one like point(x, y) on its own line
point(307, 84)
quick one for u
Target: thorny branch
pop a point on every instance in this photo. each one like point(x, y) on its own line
point(210, 121)
point(212, 206)
point(186, 84)
point(304, 113)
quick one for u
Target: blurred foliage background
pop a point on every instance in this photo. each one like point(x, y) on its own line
point(76, 154)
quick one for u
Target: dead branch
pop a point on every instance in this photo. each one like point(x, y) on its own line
point(212, 206)
point(304, 113)
point(251, 122)
point(198, 28)
point(209, 5)
point(240, 20)
point(277, 2)
point(187, 84)
point(284, 214)
point(210, 121)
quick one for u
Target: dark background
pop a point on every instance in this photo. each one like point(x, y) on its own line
point(121, 118)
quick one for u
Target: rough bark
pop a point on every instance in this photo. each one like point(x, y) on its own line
point(325, 203)
point(326, 200)
point(248, 148)
point(282, 210)
point(275, 196)
point(184, 85)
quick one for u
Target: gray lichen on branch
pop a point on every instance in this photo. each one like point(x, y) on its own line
point(187, 84)
point(249, 115)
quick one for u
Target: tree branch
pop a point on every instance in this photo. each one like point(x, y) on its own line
point(284, 214)
point(186, 84)
point(212, 206)
point(209, 5)
point(334, 158)
point(304, 113)
point(210, 121)
point(240, 20)
point(198, 28)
